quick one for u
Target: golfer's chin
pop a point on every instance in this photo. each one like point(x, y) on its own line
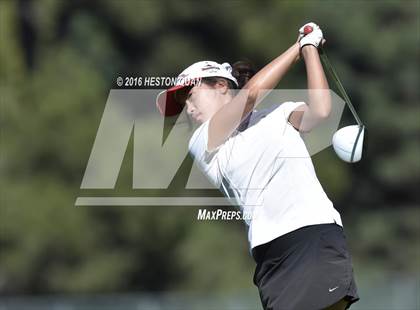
point(199, 119)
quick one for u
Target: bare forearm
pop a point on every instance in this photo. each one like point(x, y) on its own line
point(269, 76)
point(318, 89)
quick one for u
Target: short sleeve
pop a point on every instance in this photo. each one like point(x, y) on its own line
point(287, 108)
point(279, 116)
point(207, 161)
point(198, 142)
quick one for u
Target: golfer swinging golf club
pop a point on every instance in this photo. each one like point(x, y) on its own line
point(295, 234)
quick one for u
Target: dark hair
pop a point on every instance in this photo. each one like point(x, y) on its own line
point(213, 80)
point(242, 70)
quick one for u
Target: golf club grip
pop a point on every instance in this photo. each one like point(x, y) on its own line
point(334, 76)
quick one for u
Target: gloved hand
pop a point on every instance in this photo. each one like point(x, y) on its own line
point(310, 34)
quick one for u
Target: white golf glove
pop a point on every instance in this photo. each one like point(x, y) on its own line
point(313, 35)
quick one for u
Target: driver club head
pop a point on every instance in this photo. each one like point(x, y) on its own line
point(348, 143)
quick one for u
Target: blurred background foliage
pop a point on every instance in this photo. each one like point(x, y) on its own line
point(58, 61)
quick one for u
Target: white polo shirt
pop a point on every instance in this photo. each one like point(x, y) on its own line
point(269, 171)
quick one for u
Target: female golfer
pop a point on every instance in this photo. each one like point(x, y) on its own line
point(295, 234)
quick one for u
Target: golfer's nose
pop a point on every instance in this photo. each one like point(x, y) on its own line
point(190, 108)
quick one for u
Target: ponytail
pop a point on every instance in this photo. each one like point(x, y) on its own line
point(243, 71)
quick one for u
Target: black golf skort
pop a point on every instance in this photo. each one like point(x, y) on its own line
point(307, 269)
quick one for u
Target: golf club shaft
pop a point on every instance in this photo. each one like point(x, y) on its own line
point(334, 76)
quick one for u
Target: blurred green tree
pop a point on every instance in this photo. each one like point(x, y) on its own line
point(58, 61)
